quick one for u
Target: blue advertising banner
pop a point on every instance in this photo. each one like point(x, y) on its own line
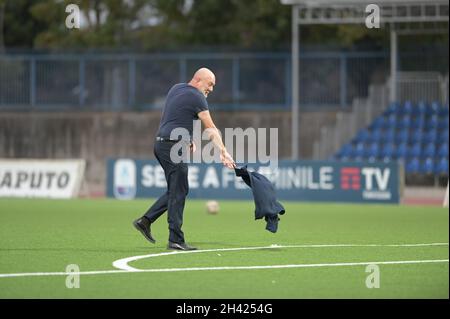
point(321, 181)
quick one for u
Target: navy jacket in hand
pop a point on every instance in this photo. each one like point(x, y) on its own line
point(266, 204)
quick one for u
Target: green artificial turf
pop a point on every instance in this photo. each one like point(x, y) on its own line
point(47, 235)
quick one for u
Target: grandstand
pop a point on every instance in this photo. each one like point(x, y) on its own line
point(413, 130)
point(414, 134)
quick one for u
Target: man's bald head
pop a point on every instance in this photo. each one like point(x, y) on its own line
point(204, 81)
point(204, 73)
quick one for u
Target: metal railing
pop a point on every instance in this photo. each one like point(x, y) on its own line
point(422, 86)
point(140, 81)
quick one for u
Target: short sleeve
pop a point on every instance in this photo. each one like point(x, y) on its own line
point(200, 104)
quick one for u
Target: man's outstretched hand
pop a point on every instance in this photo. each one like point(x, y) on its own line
point(193, 147)
point(227, 160)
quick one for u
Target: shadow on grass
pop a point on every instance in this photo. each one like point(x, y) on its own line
point(134, 250)
point(219, 245)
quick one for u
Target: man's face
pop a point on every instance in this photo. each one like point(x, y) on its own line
point(207, 85)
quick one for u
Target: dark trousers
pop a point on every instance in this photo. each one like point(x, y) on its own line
point(177, 189)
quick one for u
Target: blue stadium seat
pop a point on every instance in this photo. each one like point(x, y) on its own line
point(401, 151)
point(416, 136)
point(427, 166)
point(429, 111)
point(443, 137)
point(430, 136)
point(375, 136)
point(443, 150)
point(429, 150)
point(412, 166)
point(407, 108)
point(393, 108)
point(362, 136)
point(359, 151)
point(391, 122)
point(443, 111)
point(371, 152)
point(402, 136)
point(435, 107)
point(404, 122)
point(346, 151)
point(442, 166)
point(420, 109)
point(432, 122)
point(415, 150)
point(388, 151)
point(418, 122)
point(378, 123)
point(388, 136)
point(443, 123)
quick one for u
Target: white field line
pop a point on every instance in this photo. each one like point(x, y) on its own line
point(123, 263)
point(126, 269)
point(101, 272)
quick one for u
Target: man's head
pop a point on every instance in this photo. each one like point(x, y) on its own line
point(204, 81)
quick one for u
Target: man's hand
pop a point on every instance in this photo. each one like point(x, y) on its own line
point(193, 147)
point(227, 160)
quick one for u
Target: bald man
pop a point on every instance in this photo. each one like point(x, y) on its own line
point(185, 102)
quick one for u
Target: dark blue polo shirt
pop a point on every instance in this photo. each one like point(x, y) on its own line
point(183, 103)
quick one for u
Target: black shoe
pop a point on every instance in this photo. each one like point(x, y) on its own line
point(143, 225)
point(182, 246)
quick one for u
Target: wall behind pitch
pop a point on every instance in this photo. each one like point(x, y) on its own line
point(96, 136)
point(294, 180)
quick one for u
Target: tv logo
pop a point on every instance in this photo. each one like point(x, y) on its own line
point(373, 174)
point(374, 178)
point(124, 179)
point(351, 178)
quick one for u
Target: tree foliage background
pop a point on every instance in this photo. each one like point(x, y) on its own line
point(158, 25)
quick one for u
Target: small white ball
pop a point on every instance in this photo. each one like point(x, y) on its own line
point(212, 207)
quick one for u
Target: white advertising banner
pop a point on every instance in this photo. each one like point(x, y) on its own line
point(41, 178)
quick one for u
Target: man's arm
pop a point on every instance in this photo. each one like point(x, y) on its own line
point(214, 136)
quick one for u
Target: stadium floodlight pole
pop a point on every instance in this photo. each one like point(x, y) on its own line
point(295, 81)
point(2, 22)
point(394, 57)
